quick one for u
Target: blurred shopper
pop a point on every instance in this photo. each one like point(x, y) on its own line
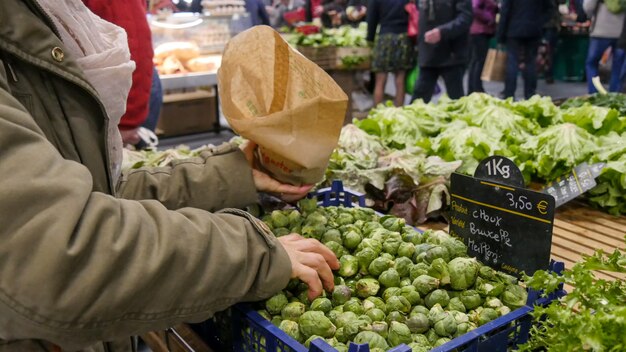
point(442, 46)
point(521, 26)
point(355, 12)
point(333, 13)
point(393, 50)
point(605, 30)
point(621, 43)
point(482, 29)
point(281, 7)
point(258, 14)
point(313, 9)
point(551, 39)
point(131, 15)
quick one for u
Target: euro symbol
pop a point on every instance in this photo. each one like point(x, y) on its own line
point(542, 207)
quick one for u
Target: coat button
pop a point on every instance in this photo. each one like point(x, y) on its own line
point(57, 54)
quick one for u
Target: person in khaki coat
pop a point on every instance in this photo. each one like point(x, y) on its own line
point(88, 255)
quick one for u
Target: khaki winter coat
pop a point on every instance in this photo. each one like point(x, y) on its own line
point(83, 260)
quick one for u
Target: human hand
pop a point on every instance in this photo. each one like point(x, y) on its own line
point(265, 183)
point(433, 36)
point(311, 262)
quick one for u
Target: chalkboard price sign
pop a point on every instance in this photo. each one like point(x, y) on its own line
point(506, 227)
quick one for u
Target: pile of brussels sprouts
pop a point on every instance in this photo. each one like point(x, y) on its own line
point(395, 285)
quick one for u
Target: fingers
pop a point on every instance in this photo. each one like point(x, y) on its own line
point(310, 277)
point(317, 262)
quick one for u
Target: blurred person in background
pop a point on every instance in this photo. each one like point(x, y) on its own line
point(258, 13)
point(482, 30)
point(356, 12)
point(333, 13)
point(281, 7)
point(521, 28)
point(393, 51)
point(443, 45)
point(551, 39)
point(606, 28)
point(131, 15)
point(313, 9)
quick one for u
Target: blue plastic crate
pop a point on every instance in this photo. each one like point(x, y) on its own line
point(242, 329)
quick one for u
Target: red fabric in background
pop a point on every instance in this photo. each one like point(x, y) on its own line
point(131, 15)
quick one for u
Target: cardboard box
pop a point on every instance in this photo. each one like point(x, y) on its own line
point(187, 113)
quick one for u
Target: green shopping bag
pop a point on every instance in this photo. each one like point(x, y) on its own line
point(411, 78)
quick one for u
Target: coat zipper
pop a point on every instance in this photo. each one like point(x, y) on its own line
point(12, 72)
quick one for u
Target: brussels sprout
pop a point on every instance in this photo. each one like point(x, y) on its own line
point(406, 249)
point(489, 288)
point(492, 302)
point(372, 339)
point(294, 217)
point(418, 270)
point(347, 228)
point(487, 273)
point(344, 219)
point(351, 240)
point(303, 297)
point(419, 310)
point(333, 314)
point(411, 294)
point(398, 303)
point(391, 245)
point(332, 235)
point(439, 270)
point(375, 245)
point(349, 265)
point(388, 257)
point(375, 314)
point(446, 326)
point(380, 234)
point(293, 311)
point(307, 205)
point(390, 292)
point(455, 248)
point(374, 302)
point(276, 303)
point(316, 218)
point(353, 327)
point(281, 231)
point(379, 265)
point(486, 315)
point(365, 318)
point(341, 336)
point(392, 223)
point(420, 251)
point(369, 226)
point(313, 231)
point(322, 304)
point(421, 340)
point(403, 266)
point(398, 334)
point(265, 314)
point(343, 318)
point(405, 282)
point(470, 299)
point(463, 272)
point(453, 293)
point(435, 314)
point(441, 341)
point(395, 316)
point(365, 257)
point(332, 341)
point(341, 294)
point(380, 327)
point(389, 278)
point(279, 219)
point(425, 284)
point(459, 317)
point(291, 328)
point(432, 336)
point(416, 347)
point(464, 328)
point(437, 297)
point(418, 323)
point(433, 253)
point(367, 287)
point(353, 305)
point(276, 320)
point(308, 341)
point(336, 248)
point(456, 305)
point(506, 278)
point(376, 349)
point(514, 296)
point(504, 310)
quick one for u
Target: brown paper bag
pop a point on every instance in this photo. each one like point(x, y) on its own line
point(495, 66)
point(291, 108)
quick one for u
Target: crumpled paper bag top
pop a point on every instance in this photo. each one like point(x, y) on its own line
point(276, 97)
